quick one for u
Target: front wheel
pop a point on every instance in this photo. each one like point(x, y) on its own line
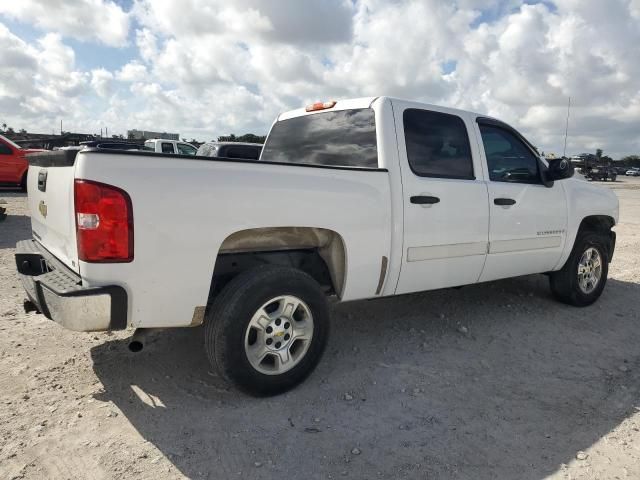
point(267, 329)
point(582, 279)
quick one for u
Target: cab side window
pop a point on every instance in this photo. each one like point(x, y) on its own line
point(508, 158)
point(4, 150)
point(437, 144)
point(185, 149)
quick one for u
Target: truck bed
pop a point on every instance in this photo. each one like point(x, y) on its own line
point(184, 207)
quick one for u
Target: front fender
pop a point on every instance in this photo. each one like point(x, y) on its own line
point(585, 200)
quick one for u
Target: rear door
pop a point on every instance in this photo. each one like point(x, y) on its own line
point(528, 220)
point(445, 199)
point(51, 204)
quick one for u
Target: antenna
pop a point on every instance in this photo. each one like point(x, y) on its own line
point(566, 129)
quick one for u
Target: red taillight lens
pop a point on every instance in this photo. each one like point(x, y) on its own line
point(104, 222)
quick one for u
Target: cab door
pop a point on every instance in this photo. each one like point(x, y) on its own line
point(445, 200)
point(528, 219)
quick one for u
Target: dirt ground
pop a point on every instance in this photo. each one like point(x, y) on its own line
point(489, 381)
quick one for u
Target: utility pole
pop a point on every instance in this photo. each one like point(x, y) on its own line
point(566, 129)
point(60, 126)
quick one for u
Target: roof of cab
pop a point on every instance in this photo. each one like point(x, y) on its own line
point(366, 102)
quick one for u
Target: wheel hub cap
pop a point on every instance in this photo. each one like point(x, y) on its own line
point(278, 335)
point(589, 270)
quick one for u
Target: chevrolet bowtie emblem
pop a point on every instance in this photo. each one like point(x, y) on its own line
point(279, 334)
point(42, 207)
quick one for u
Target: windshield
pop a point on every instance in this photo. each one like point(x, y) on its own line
point(14, 145)
point(343, 138)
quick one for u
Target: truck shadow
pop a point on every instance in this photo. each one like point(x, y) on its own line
point(491, 381)
point(13, 229)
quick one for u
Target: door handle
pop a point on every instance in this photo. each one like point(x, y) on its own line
point(424, 200)
point(504, 201)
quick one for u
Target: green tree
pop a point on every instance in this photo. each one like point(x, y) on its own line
point(228, 138)
point(247, 137)
point(631, 161)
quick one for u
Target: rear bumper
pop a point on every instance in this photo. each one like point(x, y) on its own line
point(59, 295)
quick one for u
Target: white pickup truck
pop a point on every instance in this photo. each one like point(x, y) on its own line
point(357, 199)
point(162, 145)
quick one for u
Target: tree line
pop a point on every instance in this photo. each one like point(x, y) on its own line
point(247, 137)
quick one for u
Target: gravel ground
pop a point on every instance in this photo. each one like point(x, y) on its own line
point(489, 381)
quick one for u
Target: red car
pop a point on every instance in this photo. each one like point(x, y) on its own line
point(13, 163)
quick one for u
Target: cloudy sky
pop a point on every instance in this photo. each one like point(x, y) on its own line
point(205, 68)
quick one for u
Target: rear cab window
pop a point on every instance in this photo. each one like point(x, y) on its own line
point(243, 151)
point(343, 138)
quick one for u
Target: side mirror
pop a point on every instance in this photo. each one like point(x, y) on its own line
point(559, 169)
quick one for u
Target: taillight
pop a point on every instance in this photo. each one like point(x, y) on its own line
point(104, 222)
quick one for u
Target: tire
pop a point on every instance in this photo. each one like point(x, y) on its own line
point(245, 310)
point(23, 183)
point(565, 283)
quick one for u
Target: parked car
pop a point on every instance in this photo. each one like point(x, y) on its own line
point(161, 145)
point(362, 198)
point(601, 173)
point(243, 150)
point(633, 172)
point(13, 163)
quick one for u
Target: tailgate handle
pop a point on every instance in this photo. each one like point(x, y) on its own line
point(42, 180)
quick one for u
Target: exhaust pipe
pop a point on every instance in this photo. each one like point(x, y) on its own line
point(138, 339)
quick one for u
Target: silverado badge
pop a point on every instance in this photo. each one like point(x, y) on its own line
point(43, 208)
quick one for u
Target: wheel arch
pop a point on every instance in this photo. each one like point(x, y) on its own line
point(596, 223)
point(319, 252)
point(600, 223)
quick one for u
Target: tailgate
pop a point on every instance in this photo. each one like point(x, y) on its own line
point(51, 203)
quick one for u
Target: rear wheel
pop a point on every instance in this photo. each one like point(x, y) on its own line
point(267, 329)
point(23, 182)
point(582, 279)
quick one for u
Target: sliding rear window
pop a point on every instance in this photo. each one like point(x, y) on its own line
point(345, 138)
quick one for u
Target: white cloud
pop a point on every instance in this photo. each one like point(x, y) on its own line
point(101, 20)
point(205, 68)
point(38, 82)
point(132, 72)
point(101, 81)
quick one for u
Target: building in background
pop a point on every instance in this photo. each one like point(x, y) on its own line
point(146, 134)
